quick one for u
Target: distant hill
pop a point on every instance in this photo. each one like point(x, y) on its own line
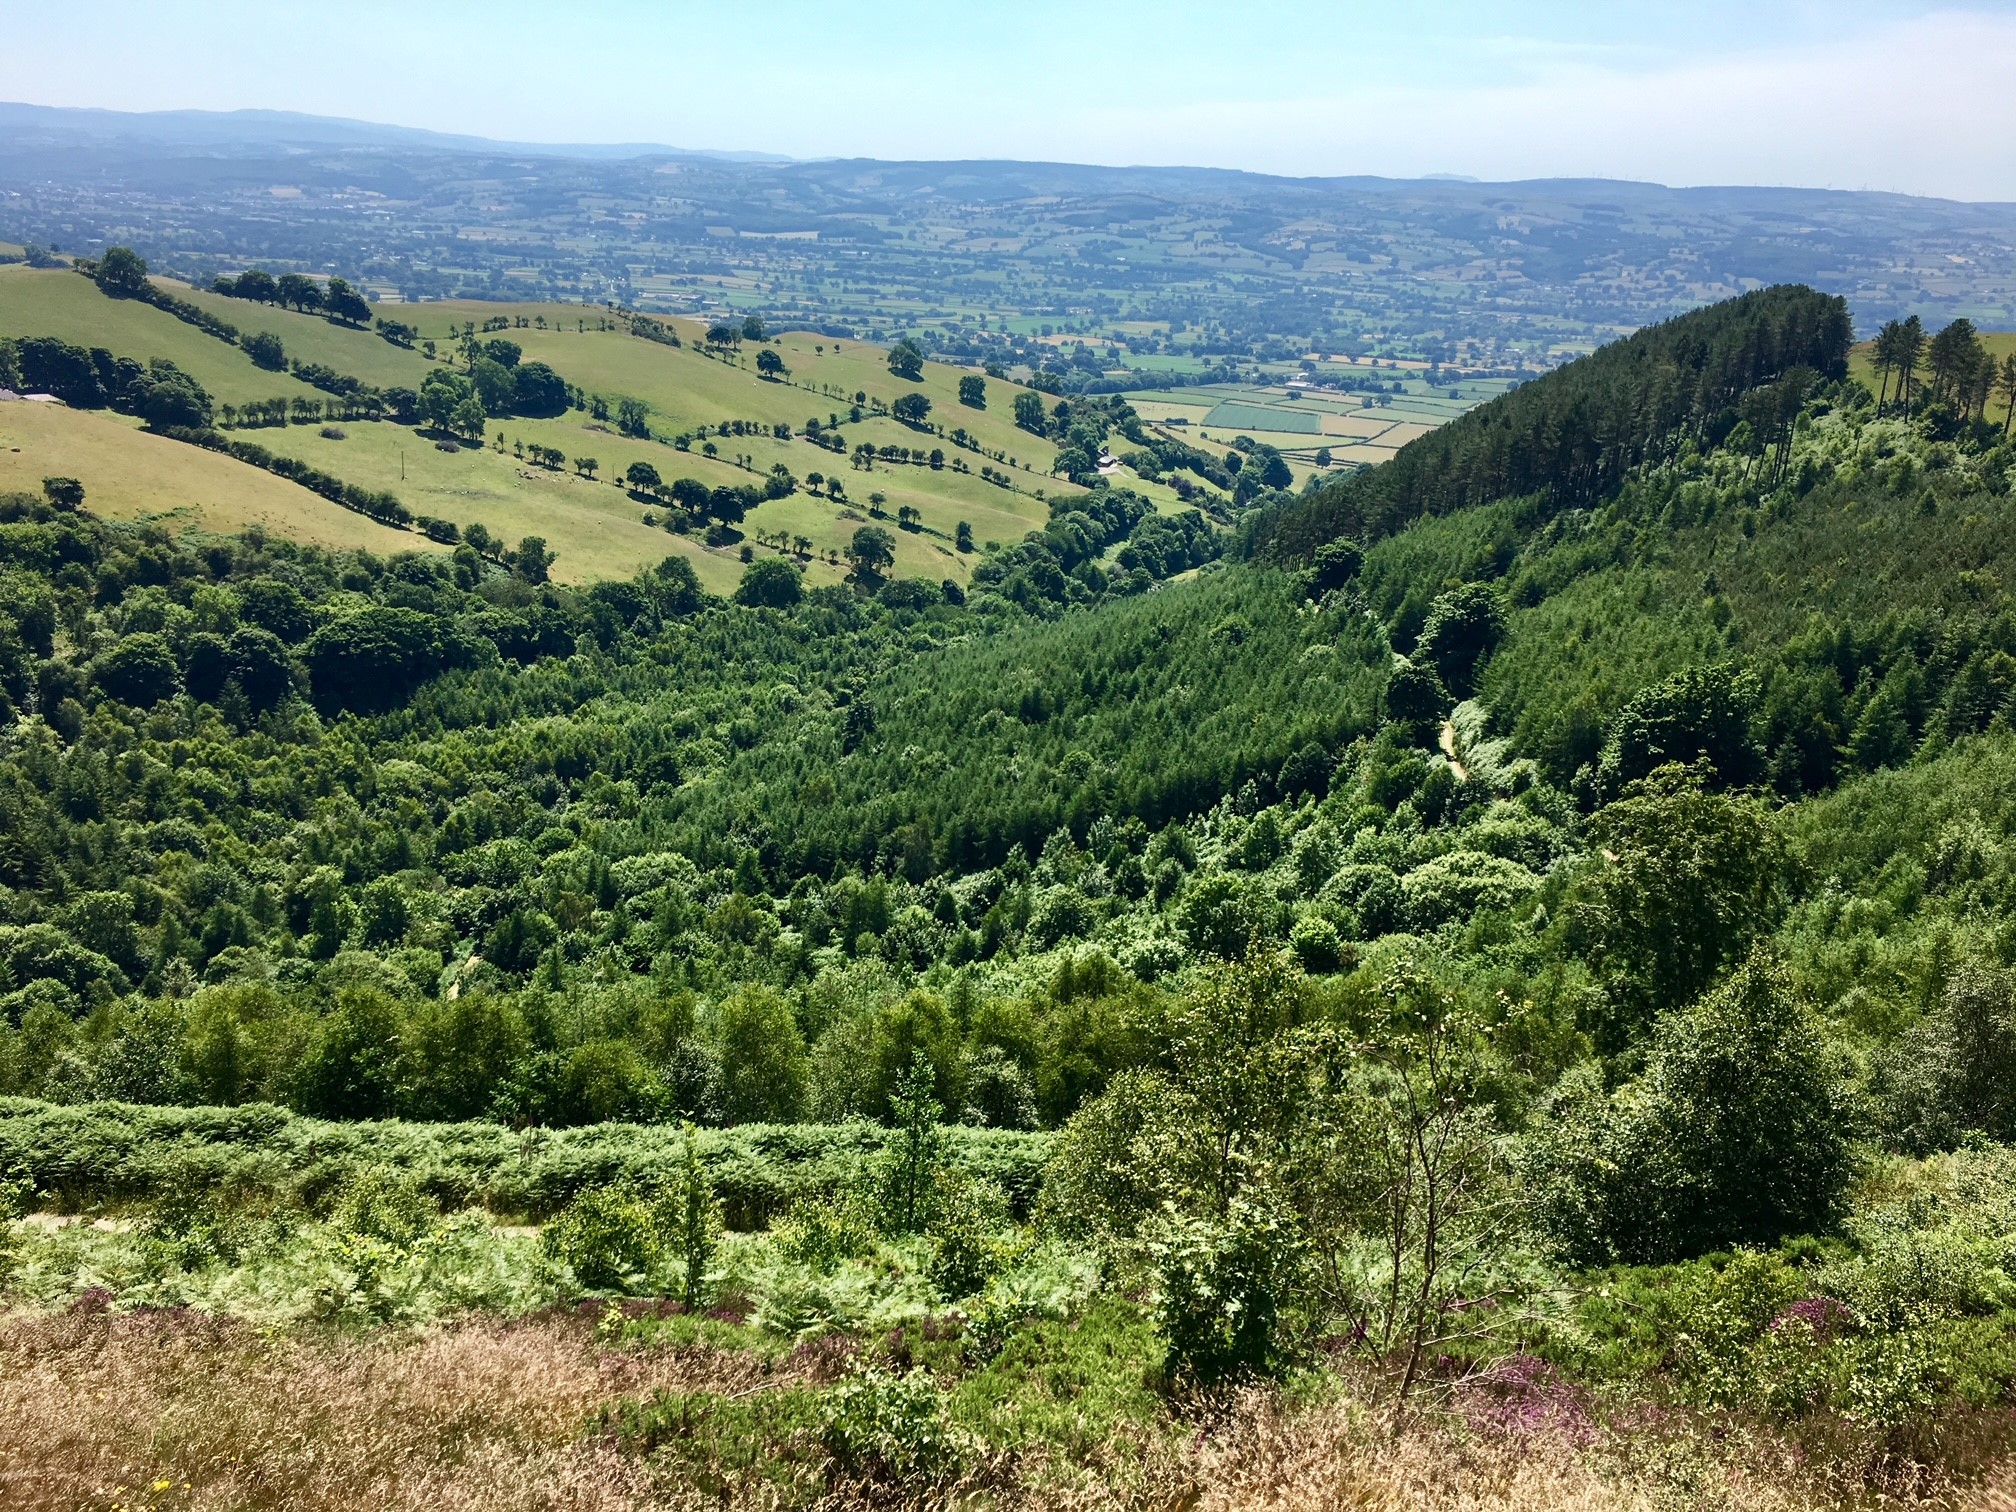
point(29, 127)
point(1100, 273)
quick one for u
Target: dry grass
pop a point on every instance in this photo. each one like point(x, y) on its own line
point(175, 1410)
point(486, 1415)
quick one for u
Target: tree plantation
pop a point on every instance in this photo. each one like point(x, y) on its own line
point(1491, 974)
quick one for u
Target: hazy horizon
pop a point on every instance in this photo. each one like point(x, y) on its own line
point(1868, 94)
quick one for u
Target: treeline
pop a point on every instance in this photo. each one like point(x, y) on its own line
point(122, 274)
point(1573, 436)
point(333, 297)
point(158, 392)
point(1959, 371)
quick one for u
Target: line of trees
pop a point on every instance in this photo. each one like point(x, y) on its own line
point(1958, 369)
point(334, 297)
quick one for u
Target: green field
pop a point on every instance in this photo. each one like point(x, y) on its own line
point(310, 338)
point(1234, 415)
point(57, 302)
point(596, 527)
point(130, 475)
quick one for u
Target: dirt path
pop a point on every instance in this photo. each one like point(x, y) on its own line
point(1447, 741)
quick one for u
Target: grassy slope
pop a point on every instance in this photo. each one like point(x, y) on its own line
point(56, 302)
point(310, 338)
point(130, 475)
point(597, 529)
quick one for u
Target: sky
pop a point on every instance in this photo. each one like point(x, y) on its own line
point(1845, 94)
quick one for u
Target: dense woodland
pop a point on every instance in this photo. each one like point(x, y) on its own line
point(1583, 843)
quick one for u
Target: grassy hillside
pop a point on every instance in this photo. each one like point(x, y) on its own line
point(310, 338)
point(57, 302)
point(130, 475)
point(597, 529)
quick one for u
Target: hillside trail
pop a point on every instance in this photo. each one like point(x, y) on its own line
point(1447, 741)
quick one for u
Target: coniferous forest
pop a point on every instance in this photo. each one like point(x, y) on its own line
point(1495, 975)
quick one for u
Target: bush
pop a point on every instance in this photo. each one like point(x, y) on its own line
point(821, 1234)
point(689, 1225)
point(907, 1173)
point(967, 1248)
point(1462, 883)
point(607, 1237)
point(115, 1152)
point(1317, 945)
point(383, 1204)
point(1954, 1073)
point(14, 1197)
point(880, 1426)
point(1739, 1132)
point(1119, 1159)
point(1222, 1284)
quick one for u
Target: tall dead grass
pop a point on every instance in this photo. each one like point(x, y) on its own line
point(177, 1410)
point(98, 1409)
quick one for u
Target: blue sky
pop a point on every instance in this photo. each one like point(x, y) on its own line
point(1848, 94)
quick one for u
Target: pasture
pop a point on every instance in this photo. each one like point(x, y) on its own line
point(1358, 430)
point(595, 525)
point(310, 338)
point(57, 302)
point(130, 475)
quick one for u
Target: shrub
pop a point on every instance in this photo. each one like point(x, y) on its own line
point(1464, 882)
point(1316, 943)
point(1222, 1283)
point(967, 1249)
point(1955, 1071)
point(1119, 1159)
point(383, 1204)
point(689, 1225)
point(821, 1233)
point(906, 1173)
point(14, 1197)
point(608, 1237)
point(1738, 1132)
point(881, 1426)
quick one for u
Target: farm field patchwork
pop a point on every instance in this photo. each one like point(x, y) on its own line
point(596, 526)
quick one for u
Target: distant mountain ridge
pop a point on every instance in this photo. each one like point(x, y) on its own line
point(25, 128)
point(213, 129)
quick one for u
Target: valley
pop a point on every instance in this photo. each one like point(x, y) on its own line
point(687, 830)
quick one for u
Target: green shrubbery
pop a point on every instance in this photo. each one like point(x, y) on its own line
point(122, 1153)
point(1739, 1131)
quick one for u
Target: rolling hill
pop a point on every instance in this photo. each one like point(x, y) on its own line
point(597, 527)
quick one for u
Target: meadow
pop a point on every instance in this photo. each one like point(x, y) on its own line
point(130, 475)
point(593, 523)
point(56, 302)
